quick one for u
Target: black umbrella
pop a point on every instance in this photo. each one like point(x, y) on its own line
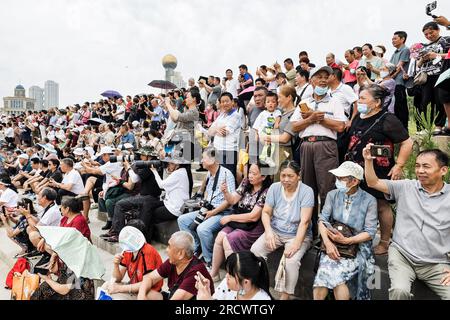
point(162, 84)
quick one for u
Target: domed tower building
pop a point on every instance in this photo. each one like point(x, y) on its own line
point(170, 63)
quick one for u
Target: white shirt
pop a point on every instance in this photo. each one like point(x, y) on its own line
point(345, 95)
point(176, 186)
point(52, 218)
point(121, 108)
point(232, 86)
point(333, 110)
point(232, 123)
point(10, 198)
point(203, 95)
point(9, 132)
point(110, 169)
point(261, 121)
point(73, 177)
point(224, 293)
point(307, 93)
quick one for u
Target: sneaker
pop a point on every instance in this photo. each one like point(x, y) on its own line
point(107, 226)
point(113, 239)
point(107, 235)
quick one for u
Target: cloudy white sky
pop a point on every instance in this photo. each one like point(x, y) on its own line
point(89, 46)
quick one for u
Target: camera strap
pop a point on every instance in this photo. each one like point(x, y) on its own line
point(366, 132)
point(216, 181)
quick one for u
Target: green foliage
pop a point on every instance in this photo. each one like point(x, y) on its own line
point(422, 140)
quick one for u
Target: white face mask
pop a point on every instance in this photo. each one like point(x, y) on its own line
point(384, 74)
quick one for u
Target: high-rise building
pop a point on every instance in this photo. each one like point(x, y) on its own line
point(19, 103)
point(37, 93)
point(177, 79)
point(51, 94)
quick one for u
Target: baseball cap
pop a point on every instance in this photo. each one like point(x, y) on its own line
point(316, 70)
point(347, 169)
point(23, 156)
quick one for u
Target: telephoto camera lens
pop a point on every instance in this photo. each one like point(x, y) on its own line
point(198, 219)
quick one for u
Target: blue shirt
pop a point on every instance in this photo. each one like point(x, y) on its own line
point(128, 138)
point(159, 113)
point(358, 211)
point(286, 215)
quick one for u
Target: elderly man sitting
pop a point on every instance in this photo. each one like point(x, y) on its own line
point(180, 270)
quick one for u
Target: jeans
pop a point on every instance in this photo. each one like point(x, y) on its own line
point(205, 234)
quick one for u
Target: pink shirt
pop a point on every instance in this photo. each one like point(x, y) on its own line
point(348, 77)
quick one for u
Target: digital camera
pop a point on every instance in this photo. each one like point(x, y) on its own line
point(129, 158)
point(204, 207)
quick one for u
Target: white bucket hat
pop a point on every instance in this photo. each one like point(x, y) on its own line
point(347, 169)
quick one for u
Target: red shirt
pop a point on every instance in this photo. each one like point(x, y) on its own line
point(187, 280)
point(79, 223)
point(147, 260)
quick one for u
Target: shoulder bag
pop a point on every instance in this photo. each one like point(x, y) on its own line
point(346, 251)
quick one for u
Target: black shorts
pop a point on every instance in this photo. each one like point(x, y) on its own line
point(444, 94)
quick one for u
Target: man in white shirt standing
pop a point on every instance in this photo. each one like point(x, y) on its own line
point(226, 131)
point(119, 115)
point(231, 85)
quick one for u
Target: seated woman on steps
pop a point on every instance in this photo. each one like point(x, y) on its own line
point(243, 227)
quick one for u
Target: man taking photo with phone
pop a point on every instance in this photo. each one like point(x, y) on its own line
point(420, 247)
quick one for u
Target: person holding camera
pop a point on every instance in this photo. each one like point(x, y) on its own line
point(420, 246)
point(18, 233)
point(346, 262)
point(375, 124)
point(204, 223)
point(243, 227)
point(178, 189)
point(149, 194)
point(430, 62)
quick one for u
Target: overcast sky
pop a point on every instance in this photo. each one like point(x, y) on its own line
point(89, 46)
